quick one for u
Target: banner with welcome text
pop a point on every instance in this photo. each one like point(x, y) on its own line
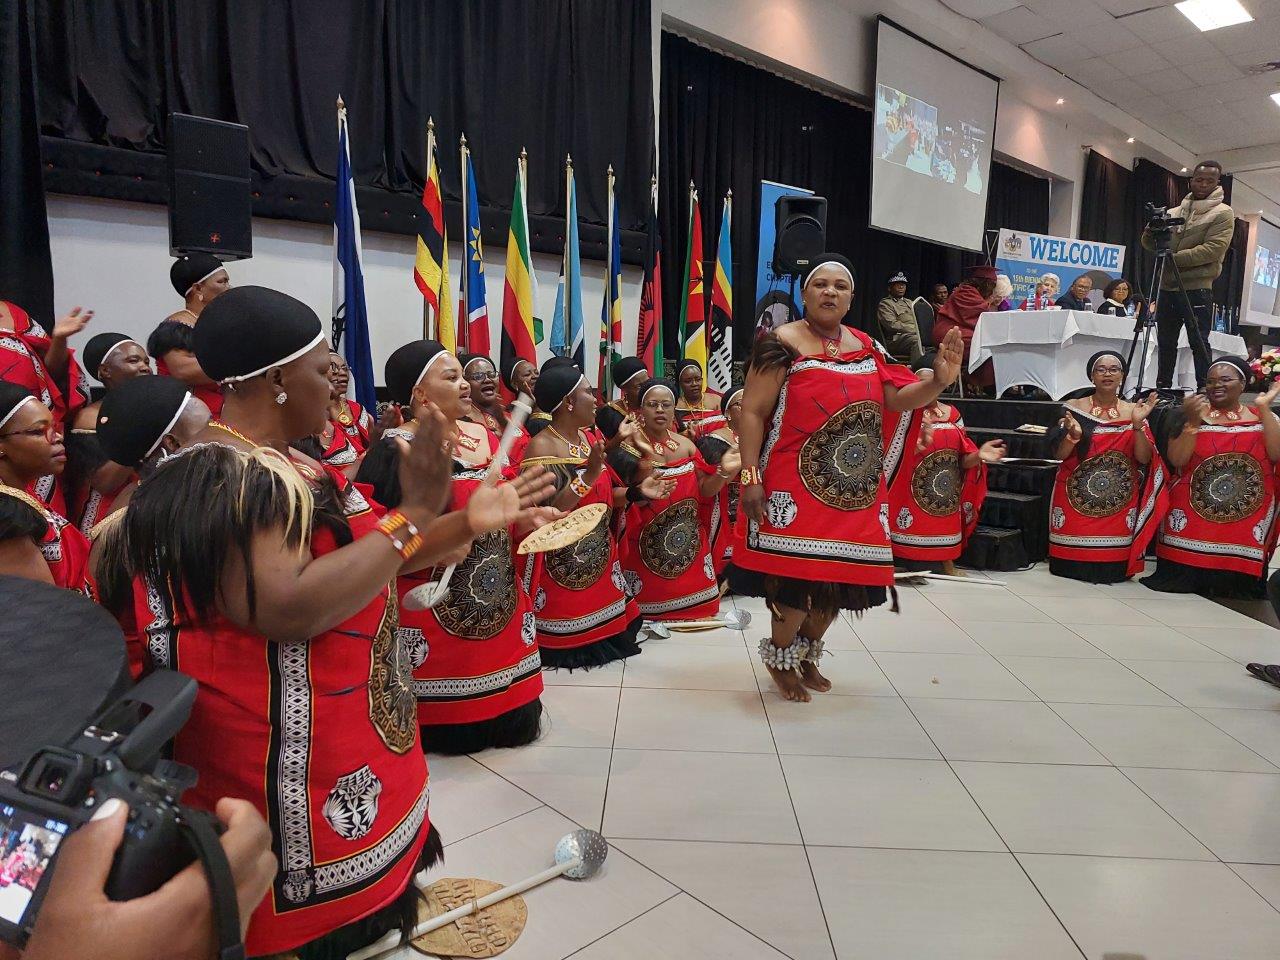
point(1025, 257)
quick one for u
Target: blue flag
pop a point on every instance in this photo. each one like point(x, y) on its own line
point(350, 321)
point(567, 328)
point(477, 330)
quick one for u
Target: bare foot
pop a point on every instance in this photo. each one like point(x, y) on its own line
point(789, 685)
point(811, 678)
point(950, 569)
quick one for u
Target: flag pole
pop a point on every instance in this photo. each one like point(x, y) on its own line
point(568, 261)
point(606, 386)
point(336, 322)
point(464, 328)
point(427, 320)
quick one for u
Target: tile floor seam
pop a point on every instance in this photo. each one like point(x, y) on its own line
point(1232, 867)
point(999, 835)
point(1209, 720)
point(613, 742)
point(610, 933)
point(782, 767)
point(448, 843)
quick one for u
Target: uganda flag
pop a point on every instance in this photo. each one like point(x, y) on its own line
point(431, 265)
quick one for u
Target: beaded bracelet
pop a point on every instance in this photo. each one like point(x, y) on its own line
point(404, 536)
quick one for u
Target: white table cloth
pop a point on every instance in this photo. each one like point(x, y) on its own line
point(1049, 348)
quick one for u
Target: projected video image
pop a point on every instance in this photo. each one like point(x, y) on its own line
point(1266, 267)
point(906, 130)
point(26, 848)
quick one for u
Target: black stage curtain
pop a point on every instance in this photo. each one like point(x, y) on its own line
point(1106, 206)
point(26, 270)
point(725, 124)
point(557, 77)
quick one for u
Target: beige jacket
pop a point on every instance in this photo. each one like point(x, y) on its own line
point(1199, 245)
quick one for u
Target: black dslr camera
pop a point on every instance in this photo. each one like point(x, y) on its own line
point(59, 789)
point(1160, 225)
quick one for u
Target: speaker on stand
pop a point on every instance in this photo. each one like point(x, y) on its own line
point(800, 237)
point(210, 196)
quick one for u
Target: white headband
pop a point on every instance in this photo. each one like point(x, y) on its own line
point(278, 363)
point(434, 358)
point(639, 373)
point(728, 401)
point(165, 432)
point(203, 279)
point(479, 356)
point(581, 381)
point(828, 263)
point(18, 406)
point(657, 386)
point(113, 349)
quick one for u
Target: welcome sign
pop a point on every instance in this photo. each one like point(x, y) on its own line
point(1025, 257)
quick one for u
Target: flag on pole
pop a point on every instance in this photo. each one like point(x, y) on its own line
point(611, 308)
point(475, 336)
point(431, 265)
point(693, 307)
point(649, 325)
point(720, 325)
point(350, 320)
point(567, 337)
point(519, 335)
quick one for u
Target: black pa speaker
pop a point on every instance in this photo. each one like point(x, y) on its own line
point(210, 198)
point(800, 233)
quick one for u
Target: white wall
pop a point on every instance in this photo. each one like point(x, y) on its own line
point(113, 257)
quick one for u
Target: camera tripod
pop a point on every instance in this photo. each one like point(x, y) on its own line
point(1146, 319)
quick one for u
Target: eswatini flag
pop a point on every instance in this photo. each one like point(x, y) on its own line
point(519, 334)
point(649, 325)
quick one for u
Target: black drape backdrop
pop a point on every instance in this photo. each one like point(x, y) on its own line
point(1105, 211)
point(557, 76)
point(26, 271)
point(726, 125)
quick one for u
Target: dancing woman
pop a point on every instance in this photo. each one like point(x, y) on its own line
point(1220, 529)
point(265, 577)
point(477, 673)
point(720, 515)
point(487, 406)
point(697, 408)
point(356, 422)
point(584, 616)
point(1112, 487)
point(937, 481)
point(666, 557)
point(813, 525)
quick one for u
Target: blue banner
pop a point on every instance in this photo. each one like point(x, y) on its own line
point(766, 279)
point(1025, 257)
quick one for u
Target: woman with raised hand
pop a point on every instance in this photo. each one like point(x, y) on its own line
point(477, 673)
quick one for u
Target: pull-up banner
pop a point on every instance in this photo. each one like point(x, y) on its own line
point(1025, 257)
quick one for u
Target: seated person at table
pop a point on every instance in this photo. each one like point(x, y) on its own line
point(1004, 290)
point(1116, 300)
point(968, 301)
point(1077, 298)
point(1046, 289)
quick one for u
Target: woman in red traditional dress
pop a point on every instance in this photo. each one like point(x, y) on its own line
point(697, 408)
point(666, 554)
point(199, 279)
point(1220, 529)
point(334, 446)
point(30, 448)
point(968, 301)
point(1112, 488)
point(629, 375)
point(720, 515)
point(45, 366)
point(487, 406)
point(170, 346)
point(937, 481)
point(267, 578)
point(477, 673)
point(354, 420)
point(813, 525)
point(93, 481)
point(584, 616)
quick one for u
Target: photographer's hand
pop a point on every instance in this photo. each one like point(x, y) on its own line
point(174, 923)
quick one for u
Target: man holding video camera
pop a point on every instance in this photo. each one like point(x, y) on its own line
point(1197, 248)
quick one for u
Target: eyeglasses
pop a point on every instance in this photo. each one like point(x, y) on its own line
point(1108, 370)
point(483, 376)
point(658, 404)
point(1221, 382)
point(49, 432)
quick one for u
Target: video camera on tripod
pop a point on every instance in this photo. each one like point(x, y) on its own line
point(1161, 225)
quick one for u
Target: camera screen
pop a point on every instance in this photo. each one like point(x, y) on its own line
point(28, 842)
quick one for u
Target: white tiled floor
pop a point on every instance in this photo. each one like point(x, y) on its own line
point(1049, 770)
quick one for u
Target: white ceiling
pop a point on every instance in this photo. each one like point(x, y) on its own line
point(1149, 60)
